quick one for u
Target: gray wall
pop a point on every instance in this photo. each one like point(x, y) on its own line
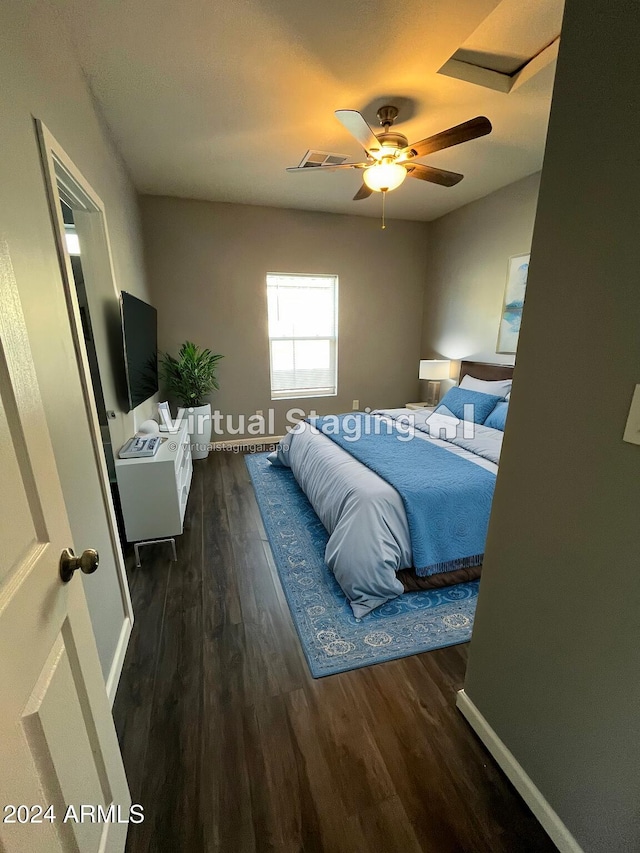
point(555, 654)
point(468, 254)
point(41, 79)
point(207, 264)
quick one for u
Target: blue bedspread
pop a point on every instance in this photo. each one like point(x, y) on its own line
point(447, 499)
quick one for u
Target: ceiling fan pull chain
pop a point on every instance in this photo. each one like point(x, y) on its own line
point(384, 195)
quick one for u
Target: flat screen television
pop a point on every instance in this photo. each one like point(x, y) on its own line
point(140, 336)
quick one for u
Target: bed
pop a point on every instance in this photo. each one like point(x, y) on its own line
point(405, 495)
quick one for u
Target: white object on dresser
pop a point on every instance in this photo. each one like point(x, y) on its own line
point(149, 427)
point(419, 406)
point(154, 491)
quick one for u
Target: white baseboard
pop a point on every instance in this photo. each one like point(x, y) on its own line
point(549, 820)
point(250, 441)
point(118, 660)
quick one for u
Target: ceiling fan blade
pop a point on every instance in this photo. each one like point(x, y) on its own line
point(464, 132)
point(327, 168)
point(363, 192)
point(357, 126)
point(435, 176)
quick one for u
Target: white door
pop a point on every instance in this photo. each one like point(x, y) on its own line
point(107, 594)
point(58, 745)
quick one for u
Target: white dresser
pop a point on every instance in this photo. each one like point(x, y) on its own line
point(154, 490)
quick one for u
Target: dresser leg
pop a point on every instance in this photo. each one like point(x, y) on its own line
point(138, 545)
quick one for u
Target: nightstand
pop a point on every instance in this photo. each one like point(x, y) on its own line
point(419, 406)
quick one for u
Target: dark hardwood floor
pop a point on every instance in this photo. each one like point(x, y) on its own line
point(230, 745)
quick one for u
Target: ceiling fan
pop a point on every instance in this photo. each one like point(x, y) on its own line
point(390, 157)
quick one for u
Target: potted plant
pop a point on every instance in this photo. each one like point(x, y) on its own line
point(190, 377)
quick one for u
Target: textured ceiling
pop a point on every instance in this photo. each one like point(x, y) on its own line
point(212, 100)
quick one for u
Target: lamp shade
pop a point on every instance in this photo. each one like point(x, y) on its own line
point(384, 176)
point(434, 369)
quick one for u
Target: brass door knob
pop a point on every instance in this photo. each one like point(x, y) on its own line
point(87, 562)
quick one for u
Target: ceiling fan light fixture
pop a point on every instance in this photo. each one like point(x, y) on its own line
point(387, 151)
point(384, 176)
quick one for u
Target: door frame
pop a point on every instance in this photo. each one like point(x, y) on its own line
point(65, 182)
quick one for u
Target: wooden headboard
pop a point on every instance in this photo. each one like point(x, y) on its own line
point(483, 370)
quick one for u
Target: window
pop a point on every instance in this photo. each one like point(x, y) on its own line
point(303, 335)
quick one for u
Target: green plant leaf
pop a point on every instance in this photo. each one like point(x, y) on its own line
point(190, 376)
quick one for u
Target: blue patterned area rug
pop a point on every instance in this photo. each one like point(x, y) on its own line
point(332, 638)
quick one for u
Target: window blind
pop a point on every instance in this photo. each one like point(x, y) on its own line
point(303, 334)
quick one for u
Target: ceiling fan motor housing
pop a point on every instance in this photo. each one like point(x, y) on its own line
point(392, 140)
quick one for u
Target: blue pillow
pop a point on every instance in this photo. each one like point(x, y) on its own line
point(456, 399)
point(498, 416)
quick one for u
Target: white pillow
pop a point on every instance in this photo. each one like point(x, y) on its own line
point(499, 387)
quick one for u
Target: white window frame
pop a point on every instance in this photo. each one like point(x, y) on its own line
point(303, 393)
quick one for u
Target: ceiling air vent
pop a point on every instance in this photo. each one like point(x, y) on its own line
point(321, 158)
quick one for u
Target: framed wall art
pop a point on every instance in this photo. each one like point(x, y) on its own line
point(513, 303)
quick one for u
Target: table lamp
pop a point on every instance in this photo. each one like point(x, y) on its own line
point(434, 370)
